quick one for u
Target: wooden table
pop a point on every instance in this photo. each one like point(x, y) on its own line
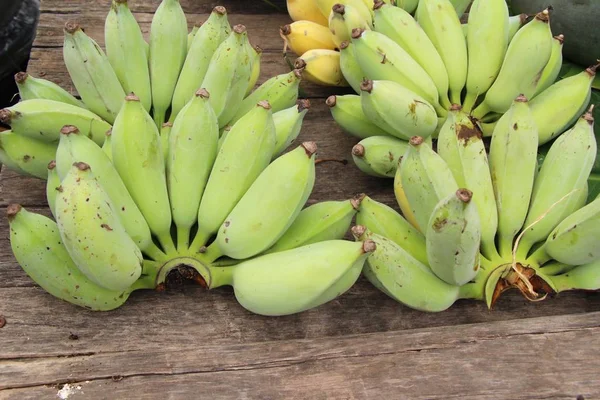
point(195, 344)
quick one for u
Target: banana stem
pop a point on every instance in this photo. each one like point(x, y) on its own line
point(159, 118)
point(441, 111)
point(469, 102)
point(489, 250)
point(471, 291)
point(183, 238)
point(455, 97)
point(210, 254)
point(505, 245)
point(154, 252)
point(199, 241)
point(145, 282)
point(221, 276)
point(166, 241)
point(562, 283)
point(481, 111)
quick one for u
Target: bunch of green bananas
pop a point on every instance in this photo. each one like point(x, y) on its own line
point(206, 194)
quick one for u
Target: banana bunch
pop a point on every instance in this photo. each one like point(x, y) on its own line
point(172, 165)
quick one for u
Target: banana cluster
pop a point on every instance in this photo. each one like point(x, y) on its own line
point(172, 164)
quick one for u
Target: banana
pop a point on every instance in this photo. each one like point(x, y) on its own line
point(190, 37)
point(401, 27)
point(126, 51)
point(379, 155)
point(397, 110)
point(91, 73)
point(515, 23)
point(410, 6)
point(168, 49)
point(288, 124)
point(257, 53)
point(74, 147)
point(349, 66)
point(228, 75)
point(206, 41)
point(327, 220)
point(559, 106)
point(107, 145)
point(513, 165)
point(380, 58)
point(138, 158)
point(425, 178)
point(269, 206)
point(327, 5)
point(453, 238)
point(575, 240)
point(165, 133)
point(487, 41)
point(281, 91)
point(192, 152)
point(564, 172)
point(245, 152)
point(305, 277)
point(302, 36)
point(553, 67)
point(52, 186)
point(92, 232)
point(461, 5)
point(384, 221)
point(440, 22)
point(399, 275)
point(37, 88)
point(42, 119)
point(38, 248)
point(582, 277)
point(460, 144)
point(321, 66)
point(22, 153)
point(343, 19)
point(526, 56)
point(300, 10)
point(348, 114)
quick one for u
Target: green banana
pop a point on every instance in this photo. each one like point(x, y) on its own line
point(38, 248)
point(206, 41)
point(379, 155)
point(347, 112)
point(515, 23)
point(440, 22)
point(74, 147)
point(165, 133)
point(526, 57)
point(553, 67)
point(410, 6)
point(192, 151)
point(349, 66)
point(257, 56)
point(190, 36)
point(453, 237)
point(91, 73)
point(288, 124)
point(92, 232)
point(52, 186)
point(168, 50)
point(305, 277)
point(24, 154)
point(397, 110)
point(401, 27)
point(582, 277)
point(37, 88)
point(343, 19)
point(107, 145)
point(126, 51)
point(42, 119)
point(385, 221)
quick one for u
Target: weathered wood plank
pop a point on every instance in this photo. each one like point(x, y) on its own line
point(544, 358)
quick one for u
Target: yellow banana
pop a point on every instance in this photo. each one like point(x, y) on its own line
point(306, 10)
point(302, 36)
point(321, 66)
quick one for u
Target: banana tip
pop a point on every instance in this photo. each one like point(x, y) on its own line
point(366, 86)
point(310, 148)
point(298, 71)
point(5, 116)
point(358, 231)
point(108, 132)
point(358, 150)
point(357, 32)
point(344, 45)
point(331, 101)
point(560, 38)
point(377, 4)
point(299, 64)
point(264, 104)
point(239, 29)
point(589, 115)
point(132, 97)
point(80, 165)
point(202, 93)
point(455, 107)
point(52, 164)
point(521, 98)
point(356, 200)
point(338, 8)
point(369, 246)
point(416, 141)
point(544, 16)
point(12, 210)
point(303, 104)
point(285, 29)
point(72, 27)
point(21, 77)
point(220, 10)
point(464, 195)
point(69, 129)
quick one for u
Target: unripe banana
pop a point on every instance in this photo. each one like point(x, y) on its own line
point(397, 110)
point(348, 114)
point(125, 49)
point(513, 165)
point(321, 66)
point(244, 154)
point(426, 179)
point(410, 6)
point(269, 206)
point(281, 91)
point(168, 49)
point(440, 22)
point(302, 36)
point(401, 27)
point(487, 41)
point(37, 88)
point(42, 119)
point(92, 233)
point(343, 19)
point(300, 10)
point(559, 106)
point(305, 277)
point(74, 147)
point(379, 155)
point(399, 275)
point(206, 41)
point(515, 23)
point(192, 152)
point(460, 6)
point(326, 5)
point(328, 220)
point(190, 36)
point(582, 277)
point(165, 133)
point(453, 237)
point(553, 67)
point(107, 145)
point(22, 153)
point(384, 221)
point(52, 186)
point(38, 248)
point(257, 56)
point(91, 73)
point(380, 58)
point(401, 199)
point(350, 67)
point(526, 56)
point(288, 124)
point(139, 160)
